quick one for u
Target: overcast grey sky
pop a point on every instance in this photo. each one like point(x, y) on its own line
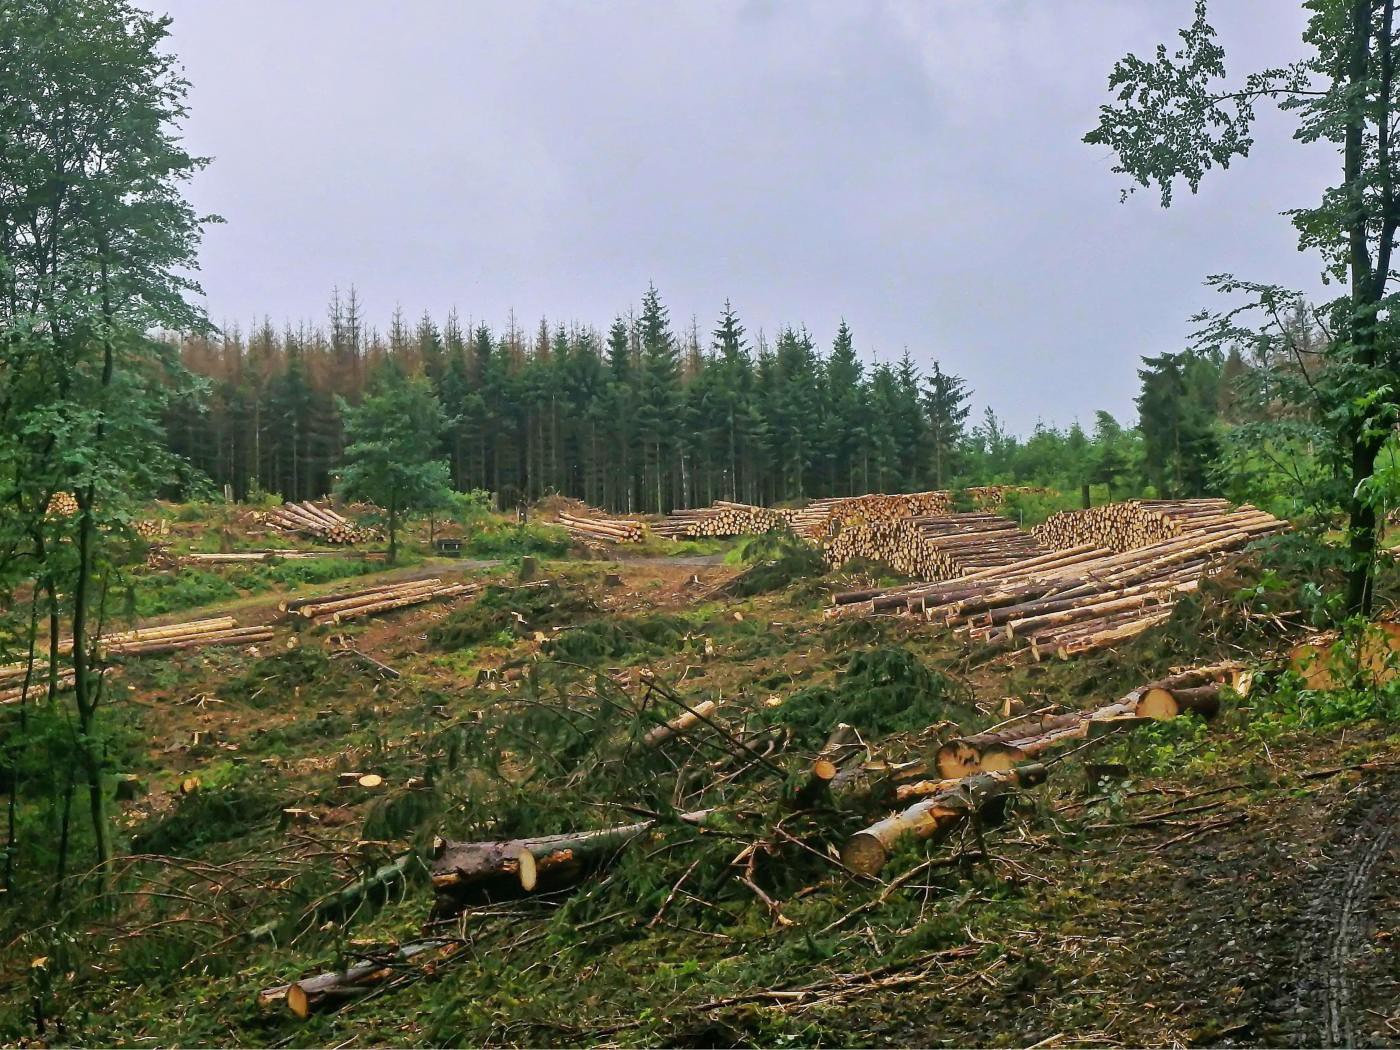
point(914, 167)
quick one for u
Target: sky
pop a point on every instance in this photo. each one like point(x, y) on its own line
point(913, 167)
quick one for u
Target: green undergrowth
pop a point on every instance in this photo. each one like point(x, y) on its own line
point(774, 561)
point(508, 540)
point(153, 594)
point(880, 691)
point(506, 608)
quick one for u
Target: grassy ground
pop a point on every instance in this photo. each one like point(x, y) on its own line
point(1182, 885)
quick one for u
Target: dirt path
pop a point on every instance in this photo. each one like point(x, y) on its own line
point(1341, 917)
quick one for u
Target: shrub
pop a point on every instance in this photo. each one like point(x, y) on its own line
point(506, 540)
point(775, 560)
point(503, 608)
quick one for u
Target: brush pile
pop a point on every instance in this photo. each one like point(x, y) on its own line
point(722, 519)
point(1139, 523)
point(369, 601)
point(318, 523)
point(608, 530)
point(932, 547)
point(1061, 603)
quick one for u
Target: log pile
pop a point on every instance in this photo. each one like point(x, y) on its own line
point(369, 601)
point(720, 520)
point(1139, 523)
point(62, 505)
point(318, 523)
point(271, 554)
point(1059, 603)
point(142, 641)
point(152, 528)
point(821, 517)
point(608, 530)
point(932, 547)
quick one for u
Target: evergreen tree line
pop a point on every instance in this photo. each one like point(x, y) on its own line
point(637, 419)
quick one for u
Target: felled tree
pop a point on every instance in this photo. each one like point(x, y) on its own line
point(393, 453)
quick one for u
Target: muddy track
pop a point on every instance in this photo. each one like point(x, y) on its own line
point(1340, 917)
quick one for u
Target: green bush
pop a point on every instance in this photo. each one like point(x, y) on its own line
point(182, 589)
point(507, 540)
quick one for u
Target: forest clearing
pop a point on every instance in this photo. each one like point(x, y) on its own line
point(611, 681)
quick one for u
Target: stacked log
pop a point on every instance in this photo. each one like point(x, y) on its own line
point(1139, 523)
point(196, 634)
point(370, 601)
point(272, 554)
point(822, 517)
point(145, 641)
point(317, 522)
point(723, 519)
point(609, 530)
point(932, 547)
point(62, 505)
point(152, 528)
point(1059, 603)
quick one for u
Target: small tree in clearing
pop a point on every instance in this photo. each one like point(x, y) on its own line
point(394, 440)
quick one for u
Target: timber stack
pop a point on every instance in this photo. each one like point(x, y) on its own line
point(822, 517)
point(273, 554)
point(62, 505)
point(1060, 603)
point(369, 601)
point(722, 519)
point(608, 530)
point(1139, 523)
point(142, 641)
point(318, 523)
point(932, 547)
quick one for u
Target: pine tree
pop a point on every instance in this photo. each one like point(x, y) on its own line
point(946, 409)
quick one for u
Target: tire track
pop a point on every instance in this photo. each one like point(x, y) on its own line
point(1341, 912)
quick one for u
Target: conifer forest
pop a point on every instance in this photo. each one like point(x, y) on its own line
point(678, 670)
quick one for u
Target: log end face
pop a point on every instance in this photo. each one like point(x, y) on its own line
point(1157, 703)
point(298, 1002)
point(956, 759)
point(864, 854)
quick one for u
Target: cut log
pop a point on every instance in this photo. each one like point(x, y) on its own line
point(685, 720)
point(328, 990)
point(867, 851)
point(515, 866)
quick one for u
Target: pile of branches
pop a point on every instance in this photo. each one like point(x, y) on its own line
point(318, 523)
point(723, 519)
point(704, 753)
point(1062, 603)
point(1139, 523)
point(369, 601)
point(932, 547)
point(597, 526)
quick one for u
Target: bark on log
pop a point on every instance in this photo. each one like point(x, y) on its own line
point(867, 851)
